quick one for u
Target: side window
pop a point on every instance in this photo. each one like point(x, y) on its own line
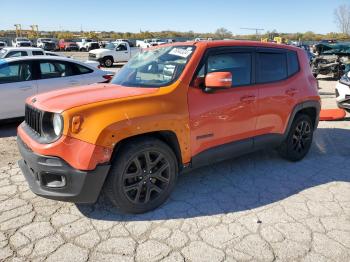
point(15, 72)
point(16, 54)
point(271, 67)
point(82, 70)
point(121, 47)
point(53, 69)
point(239, 64)
point(293, 63)
point(38, 53)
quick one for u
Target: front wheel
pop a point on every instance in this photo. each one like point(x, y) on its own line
point(142, 176)
point(108, 62)
point(299, 139)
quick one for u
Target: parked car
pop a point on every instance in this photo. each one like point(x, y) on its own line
point(20, 51)
point(169, 109)
point(68, 45)
point(342, 92)
point(87, 44)
point(2, 44)
point(22, 77)
point(115, 52)
point(48, 44)
point(131, 44)
point(21, 42)
point(149, 42)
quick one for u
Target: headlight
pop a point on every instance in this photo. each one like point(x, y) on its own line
point(345, 79)
point(57, 124)
point(52, 126)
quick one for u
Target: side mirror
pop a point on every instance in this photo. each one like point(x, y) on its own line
point(218, 80)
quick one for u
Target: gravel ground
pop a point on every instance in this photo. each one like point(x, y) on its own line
point(254, 208)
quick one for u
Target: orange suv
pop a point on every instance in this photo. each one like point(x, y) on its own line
point(171, 108)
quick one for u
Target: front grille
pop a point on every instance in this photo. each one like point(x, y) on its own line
point(33, 118)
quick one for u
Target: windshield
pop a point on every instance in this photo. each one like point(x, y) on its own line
point(22, 39)
point(155, 67)
point(110, 46)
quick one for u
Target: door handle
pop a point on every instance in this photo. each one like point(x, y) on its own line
point(126, 52)
point(74, 82)
point(292, 91)
point(248, 99)
point(25, 88)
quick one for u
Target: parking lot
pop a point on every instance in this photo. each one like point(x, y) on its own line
point(254, 208)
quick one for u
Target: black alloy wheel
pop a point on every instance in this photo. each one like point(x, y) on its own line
point(142, 176)
point(299, 139)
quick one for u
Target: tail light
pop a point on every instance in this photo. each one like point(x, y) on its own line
point(108, 77)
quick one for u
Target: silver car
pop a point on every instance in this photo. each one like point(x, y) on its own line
point(22, 77)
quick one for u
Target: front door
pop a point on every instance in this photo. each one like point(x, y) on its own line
point(16, 85)
point(122, 53)
point(224, 116)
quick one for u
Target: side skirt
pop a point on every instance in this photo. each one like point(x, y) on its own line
point(233, 150)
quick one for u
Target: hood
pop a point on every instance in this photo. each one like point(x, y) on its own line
point(64, 99)
point(100, 51)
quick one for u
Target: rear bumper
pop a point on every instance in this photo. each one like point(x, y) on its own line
point(53, 178)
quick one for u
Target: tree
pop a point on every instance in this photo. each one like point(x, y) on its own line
point(223, 33)
point(342, 18)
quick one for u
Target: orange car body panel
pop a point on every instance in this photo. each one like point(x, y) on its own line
point(111, 113)
point(79, 154)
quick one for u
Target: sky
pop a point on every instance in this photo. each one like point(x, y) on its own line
point(179, 15)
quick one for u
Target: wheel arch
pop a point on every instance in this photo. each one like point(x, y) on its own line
point(310, 108)
point(167, 136)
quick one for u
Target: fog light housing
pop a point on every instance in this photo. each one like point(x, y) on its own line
point(53, 180)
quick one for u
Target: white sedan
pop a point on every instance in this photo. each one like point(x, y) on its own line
point(22, 77)
point(342, 92)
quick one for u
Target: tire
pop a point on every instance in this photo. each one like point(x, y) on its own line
point(137, 185)
point(299, 139)
point(108, 61)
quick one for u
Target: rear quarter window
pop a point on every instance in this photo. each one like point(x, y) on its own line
point(293, 63)
point(82, 69)
point(38, 53)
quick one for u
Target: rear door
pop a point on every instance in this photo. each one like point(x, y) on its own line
point(275, 73)
point(16, 84)
point(57, 74)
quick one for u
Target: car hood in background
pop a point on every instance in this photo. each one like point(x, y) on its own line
point(101, 51)
point(64, 99)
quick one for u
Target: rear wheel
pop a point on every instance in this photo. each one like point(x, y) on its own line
point(299, 139)
point(142, 176)
point(108, 61)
